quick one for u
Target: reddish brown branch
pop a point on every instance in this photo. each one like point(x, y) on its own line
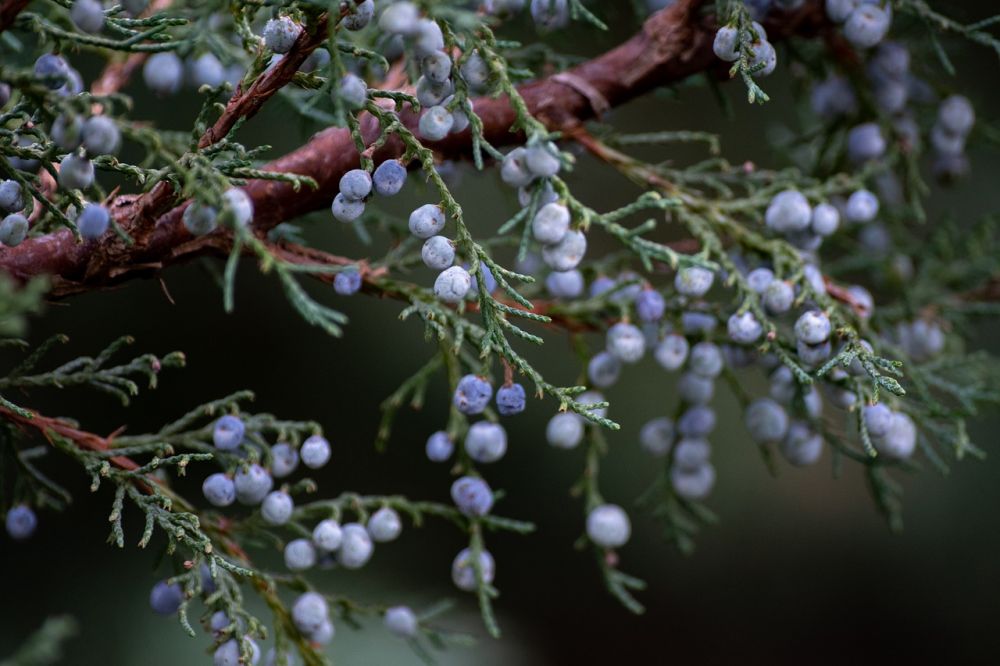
point(674, 43)
point(82, 438)
point(246, 103)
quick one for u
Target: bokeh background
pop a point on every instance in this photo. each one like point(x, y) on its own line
point(801, 568)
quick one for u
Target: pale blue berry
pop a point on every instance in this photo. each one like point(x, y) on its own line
point(435, 123)
point(356, 184)
point(813, 327)
point(726, 44)
point(956, 115)
point(52, 69)
point(564, 284)
point(550, 14)
point(511, 399)
point(277, 507)
point(838, 10)
point(542, 159)
point(693, 281)
point(87, 15)
point(206, 70)
point(788, 211)
point(361, 14)
point(315, 452)
point(323, 635)
point(238, 206)
point(691, 453)
point(356, 546)
point(695, 389)
point(877, 419)
point(862, 206)
point(672, 351)
point(309, 612)
point(280, 34)
point(460, 117)
point(825, 219)
point(626, 342)
point(389, 178)
point(513, 169)
point(472, 496)
point(759, 278)
point(28, 165)
point(650, 305)
point(21, 522)
point(783, 385)
point(327, 535)
point(744, 328)
point(352, 92)
point(284, 460)
point(452, 284)
point(564, 430)
point(228, 654)
point(431, 93)
point(900, 439)
point(401, 621)
point(165, 598)
point(439, 446)
point(428, 38)
point(813, 355)
point(384, 525)
point(656, 436)
point(463, 569)
point(608, 526)
point(472, 394)
point(199, 219)
point(867, 26)
point(604, 369)
point(551, 223)
point(693, 484)
point(436, 66)
point(300, 554)
point(779, 297)
point(766, 421)
point(93, 221)
point(347, 281)
point(475, 71)
point(865, 142)
point(13, 229)
point(801, 446)
point(219, 489)
point(253, 483)
point(163, 73)
point(705, 359)
point(228, 432)
point(345, 209)
point(486, 442)
point(696, 422)
point(219, 622)
point(426, 221)
point(764, 57)
point(438, 252)
point(11, 197)
point(401, 18)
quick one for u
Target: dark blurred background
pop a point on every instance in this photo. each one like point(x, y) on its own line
point(801, 568)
